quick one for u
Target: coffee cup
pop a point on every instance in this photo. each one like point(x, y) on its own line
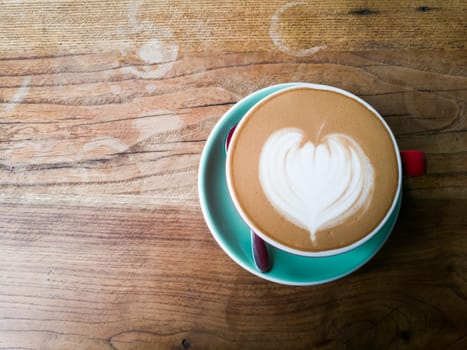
point(315, 170)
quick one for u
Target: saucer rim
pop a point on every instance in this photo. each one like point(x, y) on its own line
point(202, 192)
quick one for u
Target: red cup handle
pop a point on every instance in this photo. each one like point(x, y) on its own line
point(413, 163)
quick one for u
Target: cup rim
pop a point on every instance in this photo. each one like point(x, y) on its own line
point(322, 253)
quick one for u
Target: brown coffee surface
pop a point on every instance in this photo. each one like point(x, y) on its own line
point(317, 113)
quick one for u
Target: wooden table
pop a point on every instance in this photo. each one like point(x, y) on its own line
point(105, 107)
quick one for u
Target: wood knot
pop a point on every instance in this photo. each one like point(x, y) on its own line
point(405, 336)
point(424, 8)
point(186, 344)
point(363, 12)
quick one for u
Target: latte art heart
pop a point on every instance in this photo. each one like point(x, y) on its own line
point(315, 186)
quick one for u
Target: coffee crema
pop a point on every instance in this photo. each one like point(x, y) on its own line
point(312, 169)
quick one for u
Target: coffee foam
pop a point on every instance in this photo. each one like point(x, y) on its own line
point(315, 186)
point(333, 125)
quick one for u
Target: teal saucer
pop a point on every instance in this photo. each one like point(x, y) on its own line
point(233, 235)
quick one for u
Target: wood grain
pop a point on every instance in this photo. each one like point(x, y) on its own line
point(235, 25)
point(104, 111)
point(154, 278)
point(97, 130)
